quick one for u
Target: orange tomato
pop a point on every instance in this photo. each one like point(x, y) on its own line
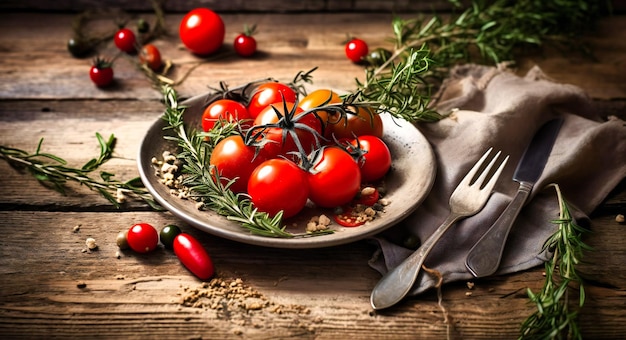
point(364, 122)
point(319, 98)
point(151, 56)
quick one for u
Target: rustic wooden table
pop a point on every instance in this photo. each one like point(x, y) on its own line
point(51, 287)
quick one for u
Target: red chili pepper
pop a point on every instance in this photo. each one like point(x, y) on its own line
point(193, 256)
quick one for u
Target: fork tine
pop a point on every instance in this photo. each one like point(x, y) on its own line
point(470, 174)
point(481, 179)
point(492, 182)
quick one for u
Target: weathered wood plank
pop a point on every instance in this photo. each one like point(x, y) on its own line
point(141, 292)
point(285, 40)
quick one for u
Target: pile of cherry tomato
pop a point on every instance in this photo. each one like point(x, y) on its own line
point(290, 151)
point(144, 238)
point(127, 42)
point(201, 31)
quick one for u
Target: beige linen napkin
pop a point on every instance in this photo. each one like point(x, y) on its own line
point(492, 107)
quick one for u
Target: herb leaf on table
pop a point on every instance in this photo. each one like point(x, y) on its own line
point(54, 171)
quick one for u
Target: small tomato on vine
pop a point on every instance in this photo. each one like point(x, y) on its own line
point(151, 56)
point(101, 72)
point(125, 40)
point(245, 44)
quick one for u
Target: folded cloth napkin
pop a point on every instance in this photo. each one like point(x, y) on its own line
point(492, 107)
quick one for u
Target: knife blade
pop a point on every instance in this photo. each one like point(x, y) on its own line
point(484, 257)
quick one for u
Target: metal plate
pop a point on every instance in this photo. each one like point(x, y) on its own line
point(408, 182)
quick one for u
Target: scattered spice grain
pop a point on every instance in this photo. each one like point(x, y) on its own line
point(91, 243)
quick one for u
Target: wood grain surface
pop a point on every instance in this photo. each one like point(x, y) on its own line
point(51, 286)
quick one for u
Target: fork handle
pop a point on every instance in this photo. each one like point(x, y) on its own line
point(397, 283)
point(484, 257)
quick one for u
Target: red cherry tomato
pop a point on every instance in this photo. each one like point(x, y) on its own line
point(334, 179)
point(125, 40)
point(347, 219)
point(279, 141)
point(369, 199)
point(225, 109)
point(270, 93)
point(376, 160)
point(245, 45)
point(193, 256)
point(278, 184)
point(101, 73)
point(269, 115)
point(235, 160)
point(356, 50)
point(202, 31)
point(151, 56)
point(142, 238)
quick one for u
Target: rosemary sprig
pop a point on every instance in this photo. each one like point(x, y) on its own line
point(554, 318)
point(53, 170)
point(205, 183)
point(400, 88)
point(425, 48)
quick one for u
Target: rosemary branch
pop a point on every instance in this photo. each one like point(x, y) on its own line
point(205, 183)
point(554, 318)
point(53, 170)
point(425, 48)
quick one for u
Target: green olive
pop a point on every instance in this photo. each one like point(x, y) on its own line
point(168, 234)
point(143, 26)
point(78, 48)
point(378, 56)
point(411, 242)
point(121, 240)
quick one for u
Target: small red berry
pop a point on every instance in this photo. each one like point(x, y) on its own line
point(245, 44)
point(142, 238)
point(356, 50)
point(151, 56)
point(101, 72)
point(125, 40)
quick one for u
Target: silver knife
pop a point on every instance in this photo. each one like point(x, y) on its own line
point(484, 257)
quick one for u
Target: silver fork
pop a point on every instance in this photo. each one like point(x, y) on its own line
point(468, 198)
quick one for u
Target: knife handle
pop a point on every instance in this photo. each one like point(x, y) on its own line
point(484, 257)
